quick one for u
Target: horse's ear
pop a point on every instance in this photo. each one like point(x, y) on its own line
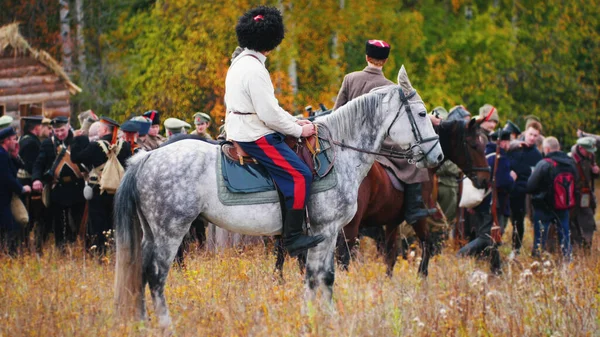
point(403, 80)
point(473, 122)
point(478, 120)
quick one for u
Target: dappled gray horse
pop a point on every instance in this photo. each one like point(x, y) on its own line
point(157, 201)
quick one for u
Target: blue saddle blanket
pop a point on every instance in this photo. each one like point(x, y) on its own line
point(251, 183)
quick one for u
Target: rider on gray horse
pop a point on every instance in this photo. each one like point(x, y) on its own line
point(259, 125)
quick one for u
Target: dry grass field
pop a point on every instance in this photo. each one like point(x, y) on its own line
point(236, 294)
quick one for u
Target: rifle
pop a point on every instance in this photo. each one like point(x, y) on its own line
point(496, 230)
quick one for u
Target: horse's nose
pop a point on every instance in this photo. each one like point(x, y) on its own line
point(440, 157)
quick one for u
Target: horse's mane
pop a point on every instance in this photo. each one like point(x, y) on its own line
point(343, 120)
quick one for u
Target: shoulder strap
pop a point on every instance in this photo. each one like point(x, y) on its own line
point(104, 146)
point(552, 162)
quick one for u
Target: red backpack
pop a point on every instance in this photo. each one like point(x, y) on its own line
point(563, 187)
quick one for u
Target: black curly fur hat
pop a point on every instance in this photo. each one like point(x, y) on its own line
point(260, 29)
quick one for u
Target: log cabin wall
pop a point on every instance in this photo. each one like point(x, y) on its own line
point(24, 81)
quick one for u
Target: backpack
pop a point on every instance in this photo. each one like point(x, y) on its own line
point(112, 171)
point(562, 191)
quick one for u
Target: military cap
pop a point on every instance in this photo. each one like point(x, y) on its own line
point(588, 143)
point(7, 132)
point(5, 121)
point(458, 112)
point(144, 124)
point(46, 121)
point(109, 121)
point(176, 125)
point(59, 121)
point(512, 127)
point(33, 119)
point(130, 126)
point(490, 110)
point(378, 49)
point(440, 112)
point(502, 135)
point(201, 117)
point(153, 115)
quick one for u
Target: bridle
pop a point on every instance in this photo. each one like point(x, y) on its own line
point(404, 154)
point(415, 130)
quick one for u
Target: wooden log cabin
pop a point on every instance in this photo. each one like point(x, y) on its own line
point(31, 81)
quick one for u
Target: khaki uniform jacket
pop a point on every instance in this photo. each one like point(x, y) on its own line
point(151, 142)
point(204, 134)
point(362, 82)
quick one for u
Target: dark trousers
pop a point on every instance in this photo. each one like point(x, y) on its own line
point(66, 221)
point(517, 217)
point(10, 240)
point(541, 225)
point(292, 176)
point(100, 219)
point(483, 241)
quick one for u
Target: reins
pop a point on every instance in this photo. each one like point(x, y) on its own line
point(389, 153)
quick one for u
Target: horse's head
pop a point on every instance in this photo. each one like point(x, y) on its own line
point(464, 145)
point(409, 110)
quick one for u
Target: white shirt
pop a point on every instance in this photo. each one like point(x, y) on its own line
point(248, 89)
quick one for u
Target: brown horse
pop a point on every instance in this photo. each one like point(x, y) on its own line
point(380, 204)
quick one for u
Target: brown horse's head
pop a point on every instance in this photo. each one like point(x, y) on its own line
point(464, 144)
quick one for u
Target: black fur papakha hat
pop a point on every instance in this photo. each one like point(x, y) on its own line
point(378, 49)
point(260, 29)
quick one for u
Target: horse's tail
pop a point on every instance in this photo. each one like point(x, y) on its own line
point(128, 236)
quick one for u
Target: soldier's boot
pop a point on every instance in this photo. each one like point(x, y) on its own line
point(413, 203)
point(294, 239)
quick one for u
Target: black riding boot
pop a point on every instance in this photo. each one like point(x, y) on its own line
point(413, 203)
point(294, 239)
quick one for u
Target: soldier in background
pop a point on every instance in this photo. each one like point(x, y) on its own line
point(29, 149)
point(92, 155)
point(144, 124)
point(583, 224)
point(202, 123)
point(130, 135)
point(10, 231)
point(54, 169)
point(175, 126)
point(153, 139)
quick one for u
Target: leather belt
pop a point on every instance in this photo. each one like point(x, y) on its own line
point(243, 113)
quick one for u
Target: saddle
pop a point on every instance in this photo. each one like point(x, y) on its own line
point(307, 150)
point(243, 174)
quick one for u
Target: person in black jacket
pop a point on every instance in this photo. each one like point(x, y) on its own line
point(92, 155)
point(29, 149)
point(9, 185)
point(55, 169)
point(541, 186)
point(523, 156)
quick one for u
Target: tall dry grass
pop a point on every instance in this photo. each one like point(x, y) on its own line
point(236, 294)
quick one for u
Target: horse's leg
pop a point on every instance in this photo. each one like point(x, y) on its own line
point(320, 269)
point(158, 257)
point(422, 230)
point(391, 248)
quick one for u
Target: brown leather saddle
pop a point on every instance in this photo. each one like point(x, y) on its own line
point(306, 149)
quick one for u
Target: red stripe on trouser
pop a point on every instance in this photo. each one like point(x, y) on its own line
point(279, 160)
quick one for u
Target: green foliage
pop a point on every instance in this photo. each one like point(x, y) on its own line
point(524, 57)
